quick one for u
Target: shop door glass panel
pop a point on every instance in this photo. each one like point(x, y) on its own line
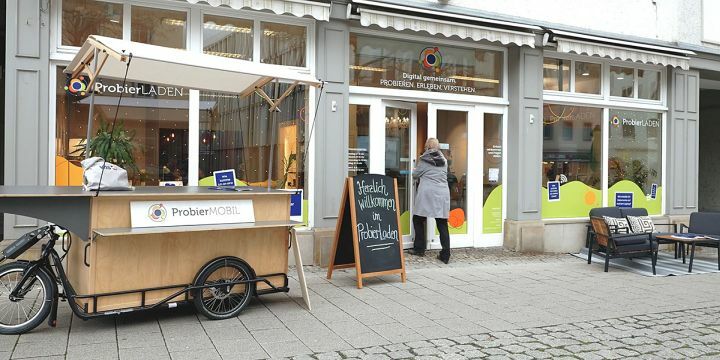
point(452, 132)
point(397, 157)
point(359, 140)
point(492, 174)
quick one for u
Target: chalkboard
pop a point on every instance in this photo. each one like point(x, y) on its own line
point(367, 234)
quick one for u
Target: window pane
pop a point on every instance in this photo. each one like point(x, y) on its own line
point(492, 174)
point(359, 140)
point(159, 27)
point(152, 128)
point(649, 84)
point(635, 157)
point(556, 74)
point(81, 18)
point(574, 159)
point(283, 44)
point(228, 37)
point(406, 65)
point(236, 133)
point(622, 81)
point(587, 77)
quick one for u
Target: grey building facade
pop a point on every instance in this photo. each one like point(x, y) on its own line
point(541, 120)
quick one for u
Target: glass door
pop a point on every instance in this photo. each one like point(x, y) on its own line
point(397, 155)
point(453, 125)
point(471, 138)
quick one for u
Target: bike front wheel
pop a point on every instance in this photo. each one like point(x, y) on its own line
point(223, 296)
point(32, 304)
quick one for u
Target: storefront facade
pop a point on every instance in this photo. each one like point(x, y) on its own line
point(539, 125)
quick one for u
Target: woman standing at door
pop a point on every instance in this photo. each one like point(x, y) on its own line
point(432, 199)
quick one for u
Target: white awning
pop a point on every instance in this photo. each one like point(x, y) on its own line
point(182, 68)
point(299, 8)
point(402, 22)
point(622, 50)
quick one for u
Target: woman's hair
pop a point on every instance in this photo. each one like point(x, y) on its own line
point(432, 144)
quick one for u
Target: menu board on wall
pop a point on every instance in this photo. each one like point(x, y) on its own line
point(367, 234)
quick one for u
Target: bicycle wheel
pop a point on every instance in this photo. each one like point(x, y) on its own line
point(223, 301)
point(33, 304)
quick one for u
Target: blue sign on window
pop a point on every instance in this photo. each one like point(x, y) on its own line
point(296, 203)
point(224, 178)
point(624, 199)
point(653, 191)
point(553, 190)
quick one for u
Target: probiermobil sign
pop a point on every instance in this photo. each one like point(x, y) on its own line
point(180, 213)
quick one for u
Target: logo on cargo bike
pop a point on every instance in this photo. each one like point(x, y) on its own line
point(157, 212)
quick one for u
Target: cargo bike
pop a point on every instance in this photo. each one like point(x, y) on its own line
point(117, 268)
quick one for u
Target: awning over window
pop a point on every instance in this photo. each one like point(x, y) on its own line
point(621, 50)
point(402, 22)
point(299, 8)
point(161, 65)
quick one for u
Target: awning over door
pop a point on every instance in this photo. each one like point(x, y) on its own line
point(299, 8)
point(402, 22)
point(621, 50)
point(182, 68)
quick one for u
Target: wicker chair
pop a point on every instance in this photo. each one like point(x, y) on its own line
point(614, 245)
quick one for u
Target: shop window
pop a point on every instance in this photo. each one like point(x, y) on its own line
point(81, 18)
point(635, 164)
point(588, 78)
point(237, 133)
point(228, 37)
point(556, 74)
point(648, 84)
point(424, 66)
point(283, 44)
point(359, 140)
point(574, 162)
point(159, 27)
point(151, 132)
point(622, 81)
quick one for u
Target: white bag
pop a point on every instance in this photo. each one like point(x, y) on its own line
point(113, 178)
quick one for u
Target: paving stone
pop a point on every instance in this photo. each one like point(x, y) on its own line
point(400, 354)
point(145, 353)
point(92, 351)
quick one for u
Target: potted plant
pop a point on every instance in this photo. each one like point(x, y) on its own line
point(119, 152)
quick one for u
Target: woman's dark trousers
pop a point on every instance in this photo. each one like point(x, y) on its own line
point(420, 243)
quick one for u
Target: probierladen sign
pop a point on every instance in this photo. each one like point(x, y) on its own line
point(367, 235)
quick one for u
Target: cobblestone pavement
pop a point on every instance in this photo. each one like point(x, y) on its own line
point(487, 303)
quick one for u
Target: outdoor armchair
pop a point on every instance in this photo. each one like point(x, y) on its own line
point(614, 245)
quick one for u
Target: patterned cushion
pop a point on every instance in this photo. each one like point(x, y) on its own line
point(617, 225)
point(641, 224)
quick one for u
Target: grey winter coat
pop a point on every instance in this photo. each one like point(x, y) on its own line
point(432, 198)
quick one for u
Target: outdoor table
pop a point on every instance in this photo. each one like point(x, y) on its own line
point(687, 239)
point(108, 255)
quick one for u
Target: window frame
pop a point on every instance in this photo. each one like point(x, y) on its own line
point(604, 98)
point(60, 56)
point(605, 134)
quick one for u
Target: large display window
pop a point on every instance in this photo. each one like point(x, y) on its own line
point(150, 139)
point(572, 160)
point(237, 133)
point(424, 66)
point(635, 159)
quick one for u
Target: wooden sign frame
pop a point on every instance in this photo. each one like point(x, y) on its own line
point(349, 195)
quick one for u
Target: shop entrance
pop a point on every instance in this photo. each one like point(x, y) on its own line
point(387, 137)
point(709, 168)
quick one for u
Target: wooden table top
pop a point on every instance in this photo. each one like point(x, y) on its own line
point(77, 191)
point(676, 237)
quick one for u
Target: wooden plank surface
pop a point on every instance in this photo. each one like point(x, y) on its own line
point(193, 228)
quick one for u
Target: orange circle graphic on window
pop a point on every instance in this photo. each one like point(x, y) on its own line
point(590, 198)
point(457, 218)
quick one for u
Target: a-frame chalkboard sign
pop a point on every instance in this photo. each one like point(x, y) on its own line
point(368, 236)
